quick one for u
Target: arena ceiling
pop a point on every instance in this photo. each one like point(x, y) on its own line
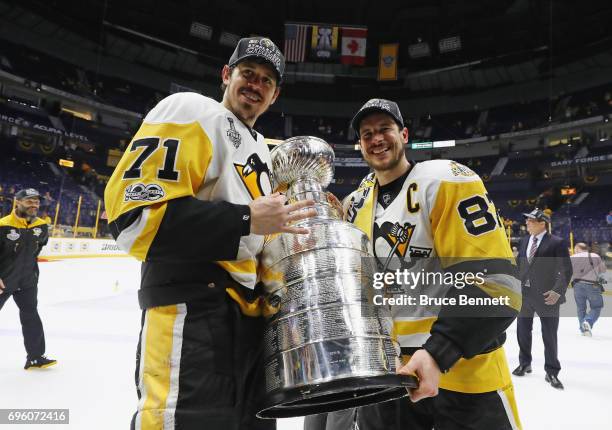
point(504, 42)
point(500, 28)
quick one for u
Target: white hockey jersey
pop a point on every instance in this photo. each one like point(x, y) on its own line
point(189, 145)
point(442, 219)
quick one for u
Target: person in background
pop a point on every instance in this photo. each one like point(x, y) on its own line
point(587, 267)
point(22, 236)
point(47, 202)
point(545, 270)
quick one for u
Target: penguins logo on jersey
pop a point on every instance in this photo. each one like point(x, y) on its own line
point(255, 175)
point(387, 236)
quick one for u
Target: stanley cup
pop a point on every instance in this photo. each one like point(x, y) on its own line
point(327, 347)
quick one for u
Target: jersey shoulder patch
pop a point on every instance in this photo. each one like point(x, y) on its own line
point(444, 170)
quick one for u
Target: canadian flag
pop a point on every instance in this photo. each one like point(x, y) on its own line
point(353, 45)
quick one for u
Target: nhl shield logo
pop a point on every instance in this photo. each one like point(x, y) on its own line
point(37, 231)
point(233, 134)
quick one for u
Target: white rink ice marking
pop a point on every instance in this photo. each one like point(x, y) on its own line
point(91, 318)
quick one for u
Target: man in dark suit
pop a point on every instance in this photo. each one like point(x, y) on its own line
point(545, 271)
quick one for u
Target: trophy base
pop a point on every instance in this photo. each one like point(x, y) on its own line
point(336, 395)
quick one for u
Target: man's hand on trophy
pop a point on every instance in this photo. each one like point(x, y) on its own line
point(270, 214)
point(333, 201)
point(426, 369)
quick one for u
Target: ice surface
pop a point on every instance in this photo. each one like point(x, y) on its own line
point(91, 318)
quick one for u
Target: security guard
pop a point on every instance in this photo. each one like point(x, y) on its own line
point(22, 236)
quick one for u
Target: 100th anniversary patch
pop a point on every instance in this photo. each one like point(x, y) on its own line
point(143, 193)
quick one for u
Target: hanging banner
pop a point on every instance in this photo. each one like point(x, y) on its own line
point(354, 45)
point(296, 38)
point(387, 62)
point(324, 43)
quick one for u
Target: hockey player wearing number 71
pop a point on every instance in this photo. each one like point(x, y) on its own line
point(424, 216)
point(191, 198)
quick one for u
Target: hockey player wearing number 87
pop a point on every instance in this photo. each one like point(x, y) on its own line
point(191, 198)
point(434, 215)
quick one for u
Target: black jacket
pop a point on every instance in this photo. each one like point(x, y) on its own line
point(551, 268)
point(20, 244)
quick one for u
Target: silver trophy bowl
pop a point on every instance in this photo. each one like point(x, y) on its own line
point(327, 347)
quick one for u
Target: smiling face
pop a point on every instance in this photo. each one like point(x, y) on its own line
point(251, 89)
point(382, 145)
point(27, 208)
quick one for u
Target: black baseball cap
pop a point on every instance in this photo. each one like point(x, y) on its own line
point(377, 105)
point(259, 47)
point(26, 193)
point(537, 214)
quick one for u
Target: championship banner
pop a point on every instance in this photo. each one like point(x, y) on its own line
point(354, 41)
point(387, 62)
point(324, 43)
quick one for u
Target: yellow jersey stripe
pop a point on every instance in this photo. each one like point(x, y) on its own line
point(497, 290)
point(245, 266)
point(480, 374)
point(143, 242)
point(156, 370)
point(403, 328)
point(509, 401)
point(363, 221)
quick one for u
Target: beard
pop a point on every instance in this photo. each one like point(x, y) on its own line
point(27, 213)
point(385, 165)
point(244, 110)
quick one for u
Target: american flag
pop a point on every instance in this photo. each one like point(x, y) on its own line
point(295, 42)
